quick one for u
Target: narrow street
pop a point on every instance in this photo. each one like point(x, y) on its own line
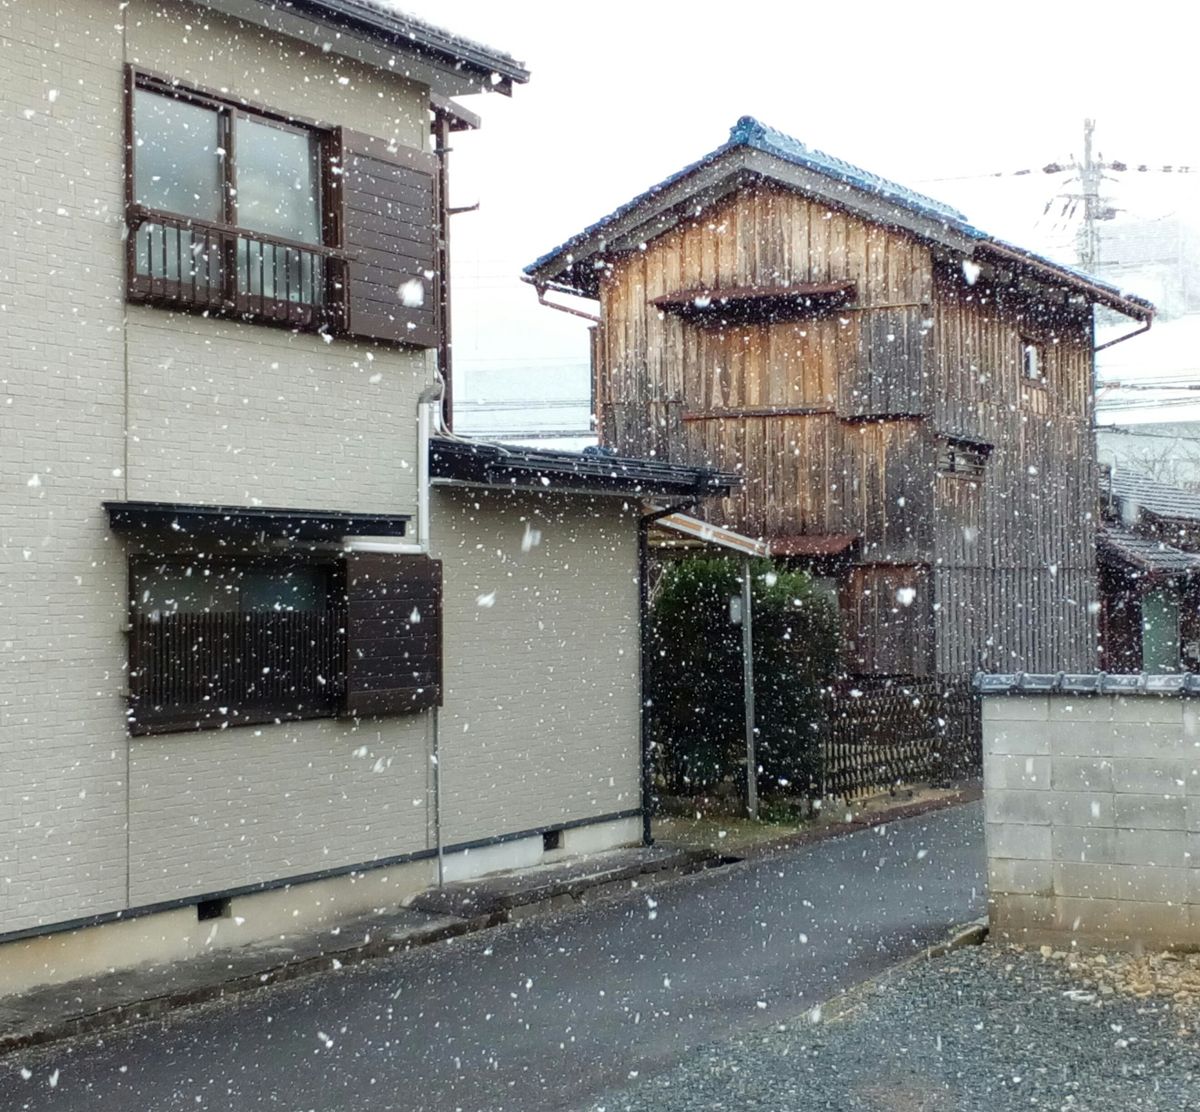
point(550, 1013)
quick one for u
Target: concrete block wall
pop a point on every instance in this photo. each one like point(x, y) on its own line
point(1093, 818)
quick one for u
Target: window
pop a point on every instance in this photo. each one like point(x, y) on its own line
point(226, 207)
point(964, 458)
point(232, 211)
point(1032, 363)
point(224, 642)
point(217, 641)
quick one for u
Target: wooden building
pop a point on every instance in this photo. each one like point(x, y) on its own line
point(908, 399)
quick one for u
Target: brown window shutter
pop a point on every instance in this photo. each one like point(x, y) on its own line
point(389, 215)
point(393, 633)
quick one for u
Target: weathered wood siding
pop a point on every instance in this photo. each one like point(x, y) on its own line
point(1015, 579)
point(835, 419)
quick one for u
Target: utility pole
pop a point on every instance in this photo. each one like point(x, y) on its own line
point(1089, 178)
point(748, 682)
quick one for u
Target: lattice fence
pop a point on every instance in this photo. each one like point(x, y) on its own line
point(884, 732)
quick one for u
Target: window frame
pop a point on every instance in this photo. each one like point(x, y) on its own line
point(178, 719)
point(225, 298)
point(1038, 348)
point(975, 454)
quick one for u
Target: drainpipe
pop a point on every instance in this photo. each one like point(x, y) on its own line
point(644, 649)
point(429, 407)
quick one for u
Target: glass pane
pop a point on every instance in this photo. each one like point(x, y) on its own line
point(302, 588)
point(277, 181)
point(165, 589)
point(1160, 631)
point(177, 156)
point(177, 588)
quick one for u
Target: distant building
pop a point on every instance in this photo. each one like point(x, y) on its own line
point(1148, 559)
point(1167, 451)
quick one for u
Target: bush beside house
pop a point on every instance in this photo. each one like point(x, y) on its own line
point(696, 684)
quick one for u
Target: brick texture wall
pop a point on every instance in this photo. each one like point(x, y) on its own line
point(99, 400)
point(1093, 818)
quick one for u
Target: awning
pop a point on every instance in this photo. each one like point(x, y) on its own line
point(683, 525)
point(1146, 555)
point(813, 544)
point(192, 519)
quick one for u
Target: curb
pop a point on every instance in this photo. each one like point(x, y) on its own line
point(973, 933)
point(155, 1007)
point(549, 901)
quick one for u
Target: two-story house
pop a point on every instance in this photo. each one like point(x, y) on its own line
point(908, 399)
point(275, 645)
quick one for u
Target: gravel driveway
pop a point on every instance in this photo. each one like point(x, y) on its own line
point(981, 1028)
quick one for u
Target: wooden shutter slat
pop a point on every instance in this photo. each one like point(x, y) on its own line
point(393, 664)
point(390, 222)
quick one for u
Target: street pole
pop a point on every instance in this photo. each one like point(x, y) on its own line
point(748, 683)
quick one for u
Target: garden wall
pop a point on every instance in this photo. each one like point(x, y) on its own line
point(1092, 797)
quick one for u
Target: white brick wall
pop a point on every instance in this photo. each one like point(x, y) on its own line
point(214, 412)
point(100, 400)
point(1093, 818)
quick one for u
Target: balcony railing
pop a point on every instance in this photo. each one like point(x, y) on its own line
point(206, 266)
point(213, 669)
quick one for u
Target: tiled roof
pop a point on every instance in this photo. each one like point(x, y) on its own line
point(751, 133)
point(1086, 683)
point(1147, 554)
point(1133, 486)
point(509, 465)
point(383, 20)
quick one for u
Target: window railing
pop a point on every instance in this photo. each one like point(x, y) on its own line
point(211, 669)
point(206, 266)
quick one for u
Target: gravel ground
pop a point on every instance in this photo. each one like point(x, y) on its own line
point(982, 1028)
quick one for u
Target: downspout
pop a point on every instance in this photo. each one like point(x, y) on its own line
point(644, 650)
point(429, 407)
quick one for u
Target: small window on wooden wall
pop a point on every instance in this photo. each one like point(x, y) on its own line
point(1033, 367)
point(963, 458)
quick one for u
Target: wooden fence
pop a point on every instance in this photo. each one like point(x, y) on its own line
point(882, 732)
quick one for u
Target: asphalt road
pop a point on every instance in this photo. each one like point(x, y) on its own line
point(548, 1013)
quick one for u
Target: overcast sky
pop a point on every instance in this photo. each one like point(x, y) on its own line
point(623, 94)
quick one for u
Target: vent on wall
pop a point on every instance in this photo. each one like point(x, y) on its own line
point(212, 909)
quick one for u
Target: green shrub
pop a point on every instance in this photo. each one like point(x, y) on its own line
point(695, 675)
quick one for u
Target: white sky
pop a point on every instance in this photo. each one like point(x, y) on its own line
point(624, 94)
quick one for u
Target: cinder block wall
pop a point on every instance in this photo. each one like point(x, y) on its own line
point(1093, 819)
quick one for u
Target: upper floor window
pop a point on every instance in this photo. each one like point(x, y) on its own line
point(1032, 362)
point(246, 211)
point(226, 206)
point(965, 458)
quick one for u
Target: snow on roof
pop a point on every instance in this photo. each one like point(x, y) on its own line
point(404, 31)
point(751, 133)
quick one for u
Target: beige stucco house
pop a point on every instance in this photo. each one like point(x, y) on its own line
point(273, 641)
